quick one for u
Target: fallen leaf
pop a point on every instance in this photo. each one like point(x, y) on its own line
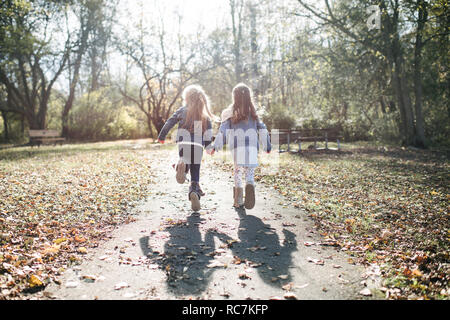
point(35, 281)
point(82, 250)
point(287, 224)
point(216, 264)
point(254, 264)
point(89, 278)
point(365, 292)
point(236, 260)
point(50, 250)
point(72, 284)
point(416, 273)
point(290, 296)
point(288, 287)
point(316, 261)
point(78, 239)
point(60, 240)
point(244, 276)
point(121, 285)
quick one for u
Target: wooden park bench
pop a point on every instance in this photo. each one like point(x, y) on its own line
point(38, 137)
point(288, 136)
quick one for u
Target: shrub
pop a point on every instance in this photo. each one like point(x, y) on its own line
point(278, 118)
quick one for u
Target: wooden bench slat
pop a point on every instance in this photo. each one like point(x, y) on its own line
point(296, 135)
point(38, 137)
point(44, 133)
point(50, 139)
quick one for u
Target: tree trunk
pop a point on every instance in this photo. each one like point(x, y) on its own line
point(5, 125)
point(404, 103)
point(150, 129)
point(85, 30)
point(254, 50)
point(69, 103)
point(158, 123)
point(400, 89)
point(237, 37)
point(382, 105)
point(65, 123)
point(418, 88)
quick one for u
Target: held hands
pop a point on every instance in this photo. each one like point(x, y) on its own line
point(210, 151)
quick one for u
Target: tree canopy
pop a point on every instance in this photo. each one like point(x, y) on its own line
point(377, 70)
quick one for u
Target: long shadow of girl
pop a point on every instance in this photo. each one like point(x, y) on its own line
point(185, 257)
point(260, 247)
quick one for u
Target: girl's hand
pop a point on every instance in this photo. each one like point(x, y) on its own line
point(161, 141)
point(210, 151)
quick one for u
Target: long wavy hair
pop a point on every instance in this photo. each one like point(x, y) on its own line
point(197, 103)
point(243, 106)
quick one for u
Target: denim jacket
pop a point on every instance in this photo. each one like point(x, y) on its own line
point(243, 139)
point(179, 117)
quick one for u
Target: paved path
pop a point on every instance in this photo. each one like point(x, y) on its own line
point(170, 252)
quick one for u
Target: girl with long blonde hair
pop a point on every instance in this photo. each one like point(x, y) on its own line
point(193, 135)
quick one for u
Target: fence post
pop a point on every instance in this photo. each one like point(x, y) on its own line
point(326, 140)
point(289, 140)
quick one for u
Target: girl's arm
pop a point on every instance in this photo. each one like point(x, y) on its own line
point(170, 123)
point(264, 136)
point(221, 138)
point(207, 136)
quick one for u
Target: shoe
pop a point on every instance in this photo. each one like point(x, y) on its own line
point(249, 196)
point(238, 194)
point(195, 201)
point(201, 191)
point(194, 196)
point(181, 171)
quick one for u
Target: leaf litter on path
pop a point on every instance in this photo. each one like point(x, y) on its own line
point(316, 261)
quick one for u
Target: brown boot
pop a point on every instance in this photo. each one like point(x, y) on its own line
point(249, 196)
point(200, 191)
point(194, 196)
point(181, 171)
point(238, 194)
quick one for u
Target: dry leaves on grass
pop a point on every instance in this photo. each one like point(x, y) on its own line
point(58, 204)
point(390, 208)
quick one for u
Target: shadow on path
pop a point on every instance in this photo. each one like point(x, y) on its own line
point(259, 246)
point(185, 257)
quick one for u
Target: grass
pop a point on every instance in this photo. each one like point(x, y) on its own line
point(57, 202)
point(384, 205)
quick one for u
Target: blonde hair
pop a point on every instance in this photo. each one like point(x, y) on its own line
point(197, 103)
